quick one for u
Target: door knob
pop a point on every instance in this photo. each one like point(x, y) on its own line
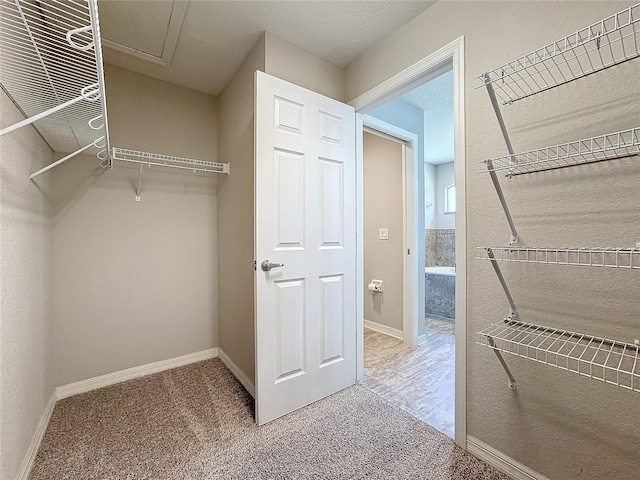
point(266, 265)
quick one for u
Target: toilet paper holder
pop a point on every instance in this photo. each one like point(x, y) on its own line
point(376, 285)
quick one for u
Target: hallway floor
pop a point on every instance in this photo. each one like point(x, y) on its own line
point(419, 380)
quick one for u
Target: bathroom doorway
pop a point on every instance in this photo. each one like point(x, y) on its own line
point(420, 376)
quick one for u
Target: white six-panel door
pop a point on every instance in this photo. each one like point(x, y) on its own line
point(305, 218)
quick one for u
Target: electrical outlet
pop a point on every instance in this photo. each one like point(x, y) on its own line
point(384, 233)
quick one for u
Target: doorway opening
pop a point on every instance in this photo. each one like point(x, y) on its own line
point(424, 374)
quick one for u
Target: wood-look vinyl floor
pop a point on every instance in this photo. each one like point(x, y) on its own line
point(419, 380)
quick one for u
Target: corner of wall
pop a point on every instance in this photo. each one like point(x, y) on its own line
point(26, 283)
point(235, 214)
point(303, 68)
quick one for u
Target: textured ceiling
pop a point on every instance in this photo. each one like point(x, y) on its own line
point(435, 98)
point(142, 24)
point(217, 35)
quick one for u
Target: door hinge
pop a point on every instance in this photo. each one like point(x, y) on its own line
point(408, 251)
point(255, 265)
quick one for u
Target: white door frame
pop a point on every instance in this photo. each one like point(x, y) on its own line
point(410, 213)
point(414, 75)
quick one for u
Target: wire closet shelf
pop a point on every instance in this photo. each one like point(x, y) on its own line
point(611, 41)
point(158, 160)
point(628, 258)
point(51, 68)
point(625, 143)
point(609, 361)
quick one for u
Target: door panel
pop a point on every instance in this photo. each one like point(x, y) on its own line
point(332, 319)
point(305, 218)
point(290, 198)
point(331, 203)
point(290, 327)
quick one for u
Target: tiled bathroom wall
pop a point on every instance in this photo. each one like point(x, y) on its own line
point(440, 296)
point(440, 247)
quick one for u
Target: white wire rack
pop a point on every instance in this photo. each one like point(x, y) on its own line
point(577, 256)
point(611, 41)
point(609, 361)
point(158, 160)
point(51, 67)
point(624, 143)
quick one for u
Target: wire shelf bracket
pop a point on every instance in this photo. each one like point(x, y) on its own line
point(626, 258)
point(166, 161)
point(494, 178)
point(601, 45)
point(513, 311)
point(624, 143)
point(51, 68)
point(610, 361)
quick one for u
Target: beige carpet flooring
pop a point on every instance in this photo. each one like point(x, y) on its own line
point(196, 422)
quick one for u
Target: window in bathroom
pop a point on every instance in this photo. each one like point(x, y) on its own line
point(450, 199)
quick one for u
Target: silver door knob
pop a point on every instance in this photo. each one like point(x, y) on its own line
point(266, 265)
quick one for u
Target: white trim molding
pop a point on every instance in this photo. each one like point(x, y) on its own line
point(420, 72)
point(502, 462)
point(378, 327)
point(36, 440)
point(237, 372)
point(135, 372)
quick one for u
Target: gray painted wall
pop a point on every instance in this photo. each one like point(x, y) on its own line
point(26, 288)
point(296, 65)
point(135, 281)
point(559, 424)
point(235, 214)
point(382, 177)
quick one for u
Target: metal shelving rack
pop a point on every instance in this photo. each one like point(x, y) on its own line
point(51, 68)
point(577, 256)
point(608, 42)
point(167, 162)
point(625, 143)
point(609, 361)
point(611, 41)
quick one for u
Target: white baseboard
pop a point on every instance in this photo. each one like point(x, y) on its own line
point(36, 440)
point(422, 339)
point(378, 327)
point(239, 374)
point(502, 462)
point(130, 373)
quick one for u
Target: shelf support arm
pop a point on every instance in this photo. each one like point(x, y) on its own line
point(494, 179)
point(512, 381)
point(58, 162)
point(139, 187)
point(507, 141)
point(496, 109)
point(513, 311)
point(39, 116)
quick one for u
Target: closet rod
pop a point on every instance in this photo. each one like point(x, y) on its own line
point(64, 159)
point(160, 160)
point(85, 94)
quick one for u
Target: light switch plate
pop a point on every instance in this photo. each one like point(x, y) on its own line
point(384, 233)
